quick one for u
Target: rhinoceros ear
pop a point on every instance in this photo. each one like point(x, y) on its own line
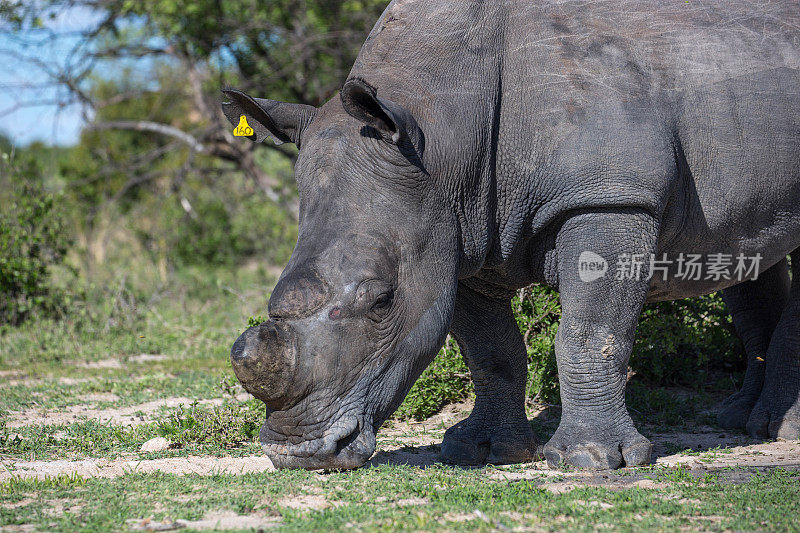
point(393, 121)
point(283, 122)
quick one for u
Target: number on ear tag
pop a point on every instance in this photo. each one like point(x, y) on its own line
point(243, 129)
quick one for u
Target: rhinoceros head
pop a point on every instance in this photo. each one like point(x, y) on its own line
point(367, 297)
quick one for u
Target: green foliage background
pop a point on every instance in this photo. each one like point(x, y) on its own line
point(678, 343)
point(32, 240)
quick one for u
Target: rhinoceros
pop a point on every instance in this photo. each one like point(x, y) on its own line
point(477, 147)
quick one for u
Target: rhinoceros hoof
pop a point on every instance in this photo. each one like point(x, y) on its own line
point(771, 421)
point(478, 441)
point(735, 411)
point(595, 449)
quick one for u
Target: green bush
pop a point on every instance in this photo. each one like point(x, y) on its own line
point(446, 380)
point(677, 343)
point(226, 231)
point(538, 312)
point(228, 425)
point(33, 240)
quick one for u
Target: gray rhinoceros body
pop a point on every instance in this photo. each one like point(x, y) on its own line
point(479, 147)
point(689, 111)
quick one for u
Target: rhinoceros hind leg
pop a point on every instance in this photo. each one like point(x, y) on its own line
point(756, 308)
point(777, 412)
point(497, 431)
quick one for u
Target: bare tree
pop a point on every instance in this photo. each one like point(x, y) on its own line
point(299, 51)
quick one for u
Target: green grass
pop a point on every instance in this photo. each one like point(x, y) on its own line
point(390, 497)
point(192, 317)
point(131, 390)
point(230, 427)
point(196, 315)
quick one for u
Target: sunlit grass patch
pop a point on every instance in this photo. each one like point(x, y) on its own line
point(190, 428)
point(127, 390)
point(436, 498)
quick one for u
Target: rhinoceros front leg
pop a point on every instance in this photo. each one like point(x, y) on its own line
point(595, 337)
point(497, 431)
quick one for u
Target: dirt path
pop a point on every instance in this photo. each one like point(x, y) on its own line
point(126, 416)
point(103, 468)
point(417, 444)
point(408, 443)
point(784, 454)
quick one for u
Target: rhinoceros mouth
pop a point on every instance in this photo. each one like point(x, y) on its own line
point(346, 444)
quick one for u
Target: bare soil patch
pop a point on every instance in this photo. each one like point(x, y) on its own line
point(21, 503)
point(148, 357)
point(21, 380)
point(309, 502)
point(761, 454)
point(127, 416)
point(411, 443)
point(12, 378)
point(100, 397)
point(103, 363)
point(417, 444)
point(61, 506)
point(104, 468)
point(215, 520)
point(414, 443)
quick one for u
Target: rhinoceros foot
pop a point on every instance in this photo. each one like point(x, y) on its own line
point(735, 410)
point(595, 448)
point(771, 419)
point(478, 440)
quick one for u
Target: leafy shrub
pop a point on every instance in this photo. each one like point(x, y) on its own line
point(228, 425)
point(33, 239)
point(255, 321)
point(446, 380)
point(538, 312)
point(215, 233)
point(677, 343)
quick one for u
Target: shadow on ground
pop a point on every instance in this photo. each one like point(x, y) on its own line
point(700, 447)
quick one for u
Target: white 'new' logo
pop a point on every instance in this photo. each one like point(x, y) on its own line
point(591, 267)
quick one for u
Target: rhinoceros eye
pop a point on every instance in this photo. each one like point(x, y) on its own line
point(375, 298)
point(381, 305)
point(383, 300)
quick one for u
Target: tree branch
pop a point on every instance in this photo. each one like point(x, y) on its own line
point(146, 125)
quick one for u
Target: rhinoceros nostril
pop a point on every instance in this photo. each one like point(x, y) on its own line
point(347, 440)
point(238, 349)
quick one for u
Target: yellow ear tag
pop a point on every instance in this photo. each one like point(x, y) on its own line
point(243, 129)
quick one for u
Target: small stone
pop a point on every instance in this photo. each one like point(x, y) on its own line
point(158, 444)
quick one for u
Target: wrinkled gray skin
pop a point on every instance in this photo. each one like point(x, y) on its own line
point(478, 147)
